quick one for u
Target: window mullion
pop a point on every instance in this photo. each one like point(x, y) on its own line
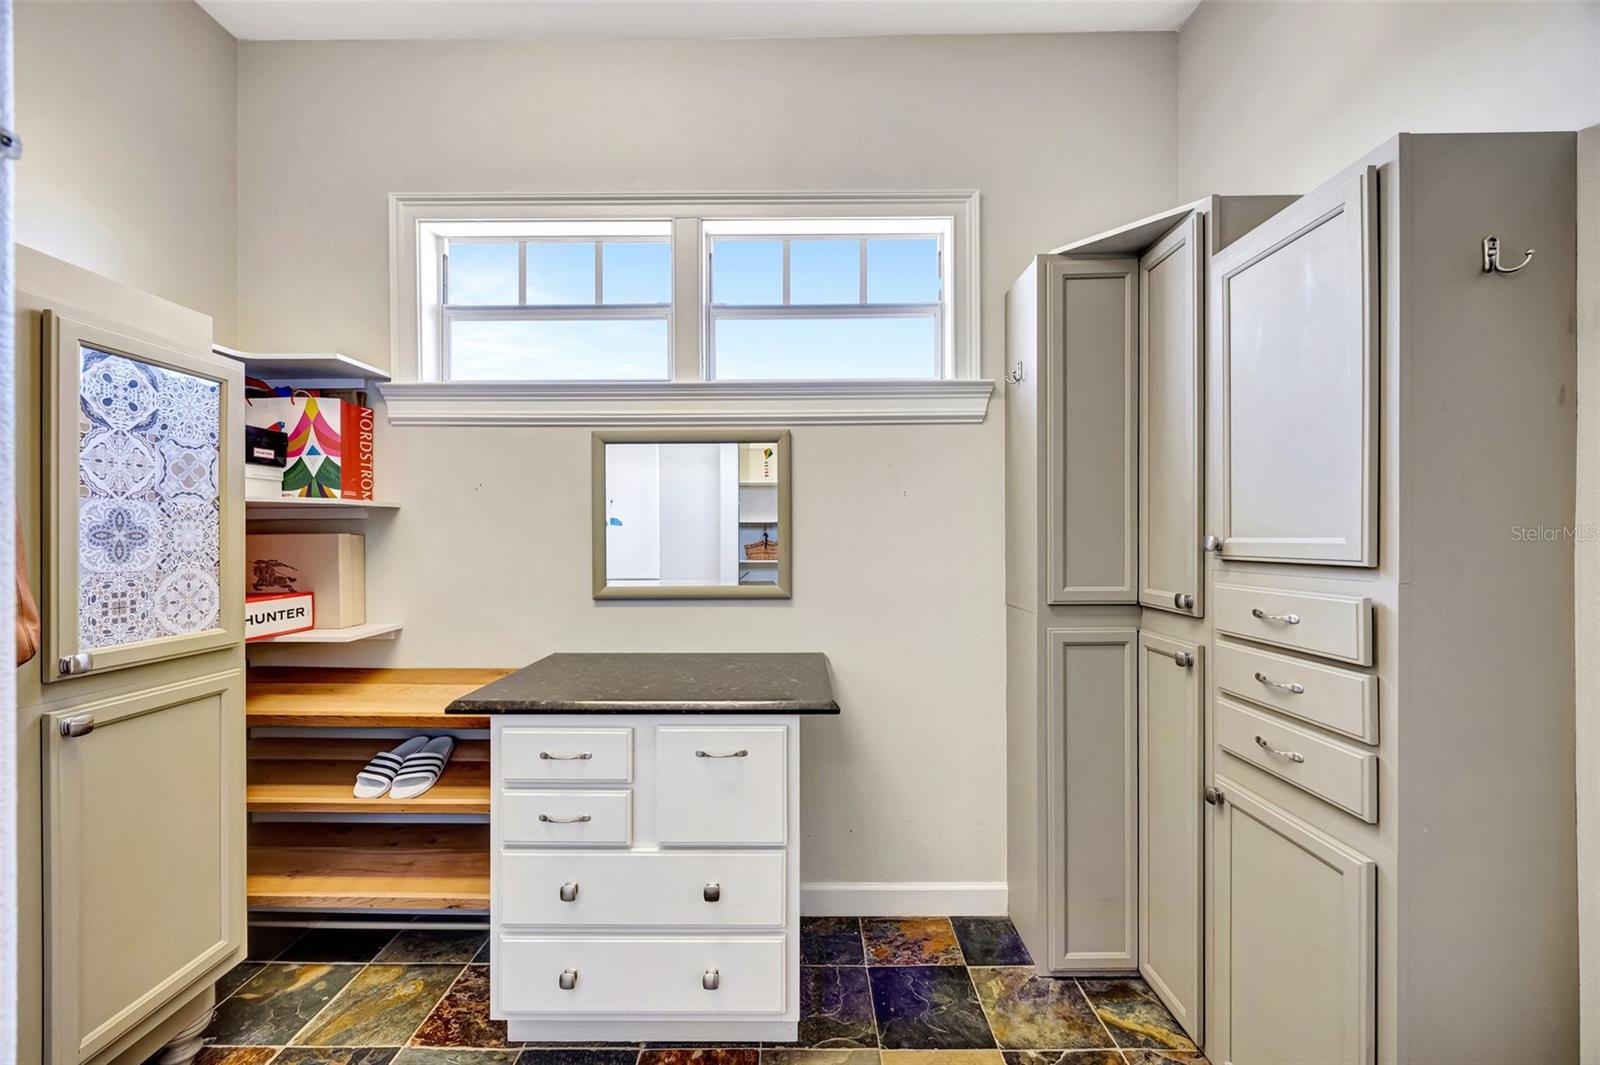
point(522, 271)
point(862, 270)
point(691, 351)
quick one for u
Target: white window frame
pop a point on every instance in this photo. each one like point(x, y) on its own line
point(421, 394)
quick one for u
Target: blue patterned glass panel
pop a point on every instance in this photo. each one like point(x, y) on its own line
point(149, 504)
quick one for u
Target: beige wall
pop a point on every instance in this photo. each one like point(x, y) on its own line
point(1587, 560)
point(127, 113)
point(898, 564)
point(1274, 97)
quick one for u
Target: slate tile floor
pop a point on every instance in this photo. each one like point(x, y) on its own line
point(874, 991)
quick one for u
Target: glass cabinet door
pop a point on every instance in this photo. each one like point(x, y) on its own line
point(144, 501)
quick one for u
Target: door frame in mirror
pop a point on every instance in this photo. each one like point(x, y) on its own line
point(597, 520)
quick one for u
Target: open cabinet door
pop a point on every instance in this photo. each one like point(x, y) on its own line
point(144, 854)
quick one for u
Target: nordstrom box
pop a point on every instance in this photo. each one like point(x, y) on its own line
point(277, 614)
point(332, 566)
point(329, 449)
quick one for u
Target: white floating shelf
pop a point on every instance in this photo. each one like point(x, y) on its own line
point(304, 367)
point(758, 484)
point(296, 506)
point(372, 630)
point(759, 521)
point(758, 562)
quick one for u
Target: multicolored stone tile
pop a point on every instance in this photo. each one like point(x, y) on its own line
point(1164, 1057)
point(810, 1056)
point(836, 1008)
point(942, 1057)
point(927, 1007)
point(830, 941)
point(1028, 1012)
point(1134, 1016)
point(1064, 1057)
point(336, 1056)
point(700, 1056)
point(453, 1056)
point(579, 1056)
point(990, 941)
point(434, 945)
point(910, 941)
point(235, 978)
point(235, 1055)
point(338, 944)
point(275, 1003)
point(380, 1007)
point(461, 1019)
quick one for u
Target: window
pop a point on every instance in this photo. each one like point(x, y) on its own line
point(504, 303)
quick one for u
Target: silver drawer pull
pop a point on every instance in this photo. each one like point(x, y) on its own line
point(568, 979)
point(580, 756)
point(80, 724)
point(578, 820)
point(1293, 756)
point(1182, 658)
point(1183, 600)
point(711, 980)
point(713, 892)
point(730, 754)
point(1262, 615)
point(569, 891)
point(1298, 689)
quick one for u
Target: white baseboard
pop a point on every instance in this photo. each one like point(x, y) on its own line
point(835, 898)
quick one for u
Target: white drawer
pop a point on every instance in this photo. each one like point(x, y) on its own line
point(1333, 626)
point(560, 755)
point(1337, 699)
point(632, 975)
point(1336, 772)
point(728, 889)
point(722, 784)
point(565, 818)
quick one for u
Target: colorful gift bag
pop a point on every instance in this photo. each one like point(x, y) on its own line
point(330, 444)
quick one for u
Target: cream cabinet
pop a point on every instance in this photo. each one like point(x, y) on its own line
point(1171, 384)
point(1294, 943)
point(1171, 824)
point(1298, 358)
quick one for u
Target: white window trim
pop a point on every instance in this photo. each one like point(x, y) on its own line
point(418, 397)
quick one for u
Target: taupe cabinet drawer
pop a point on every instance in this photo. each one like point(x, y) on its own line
point(1339, 700)
point(565, 818)
point(566, 756)
point(1333, 626)
point(1335, 772)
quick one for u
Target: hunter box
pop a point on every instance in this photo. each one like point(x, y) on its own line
point(331, 566)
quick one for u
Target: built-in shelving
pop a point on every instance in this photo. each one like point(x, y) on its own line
point(354, 866)
point(289, 507)
point(370, 630)
point(362, 698)
point(314, 775)
point(304, 367)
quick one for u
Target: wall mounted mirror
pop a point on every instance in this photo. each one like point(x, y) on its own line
point(691, 514)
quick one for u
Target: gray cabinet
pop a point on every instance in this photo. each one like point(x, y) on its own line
point(1298, 359)
point(1294, 940)
point(1171, 382)
point(1171, 824)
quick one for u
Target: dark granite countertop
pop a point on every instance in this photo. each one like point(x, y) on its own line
point(659, 684)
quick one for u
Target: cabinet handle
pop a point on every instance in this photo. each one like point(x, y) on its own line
point(578, 820)
point(569, 891)
point(580, 756)
point(76, 725)
point(75, 665)
point(1212, 543)
point(1182, 600)
point(1213, 796)
point(711, 980)
point(568, 979)
point(713, 892)
point(730, 754)
point(1183, 658)
point(1298, 689)
point(1293, 756)
point(1262, 615)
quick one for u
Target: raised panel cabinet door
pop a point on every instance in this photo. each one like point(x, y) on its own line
point(144, 500)
point(1295, 940)
point(1298, 339)
point(144, 829)
point(1171, 369)
point(1171, 826)
point(1092, 432)
point(1092, 773)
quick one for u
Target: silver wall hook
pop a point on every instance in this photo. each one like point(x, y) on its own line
point(1015, 376)
point(1491, 258)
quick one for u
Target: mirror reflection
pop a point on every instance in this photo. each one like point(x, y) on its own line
point(692, 515)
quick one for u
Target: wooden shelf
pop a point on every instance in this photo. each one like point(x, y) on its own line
point(297, 775)
point(372, 630)
point(327, 866)
point(363, 698)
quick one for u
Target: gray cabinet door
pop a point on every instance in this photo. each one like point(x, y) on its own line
point(144, 840)
point(1171, 825)
point(1294, 940)
point(1171, 368)
point(1092, 410)
point(1092, 773)
point(1298, 355)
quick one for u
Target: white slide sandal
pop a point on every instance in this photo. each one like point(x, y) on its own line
point(422, 768)
point(376, 776)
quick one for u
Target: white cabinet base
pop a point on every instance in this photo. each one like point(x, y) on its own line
point(639, 1029)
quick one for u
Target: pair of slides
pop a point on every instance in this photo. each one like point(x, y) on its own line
point(407, 771)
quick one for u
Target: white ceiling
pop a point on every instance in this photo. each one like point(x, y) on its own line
point(344, 20)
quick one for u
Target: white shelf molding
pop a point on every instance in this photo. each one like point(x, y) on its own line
point(745, 403)
point(372, 630)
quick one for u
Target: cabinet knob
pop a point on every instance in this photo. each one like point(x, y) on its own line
point(711, 980)
point(1211, 543)
point(77, 725)
point(569, 891)
point(713, 892)
point(1214, 796)
point(568, 979)
point(75, 665)
point(1182, 600)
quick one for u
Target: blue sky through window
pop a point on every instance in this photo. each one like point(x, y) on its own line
point(557, 350)
point(766, 349)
